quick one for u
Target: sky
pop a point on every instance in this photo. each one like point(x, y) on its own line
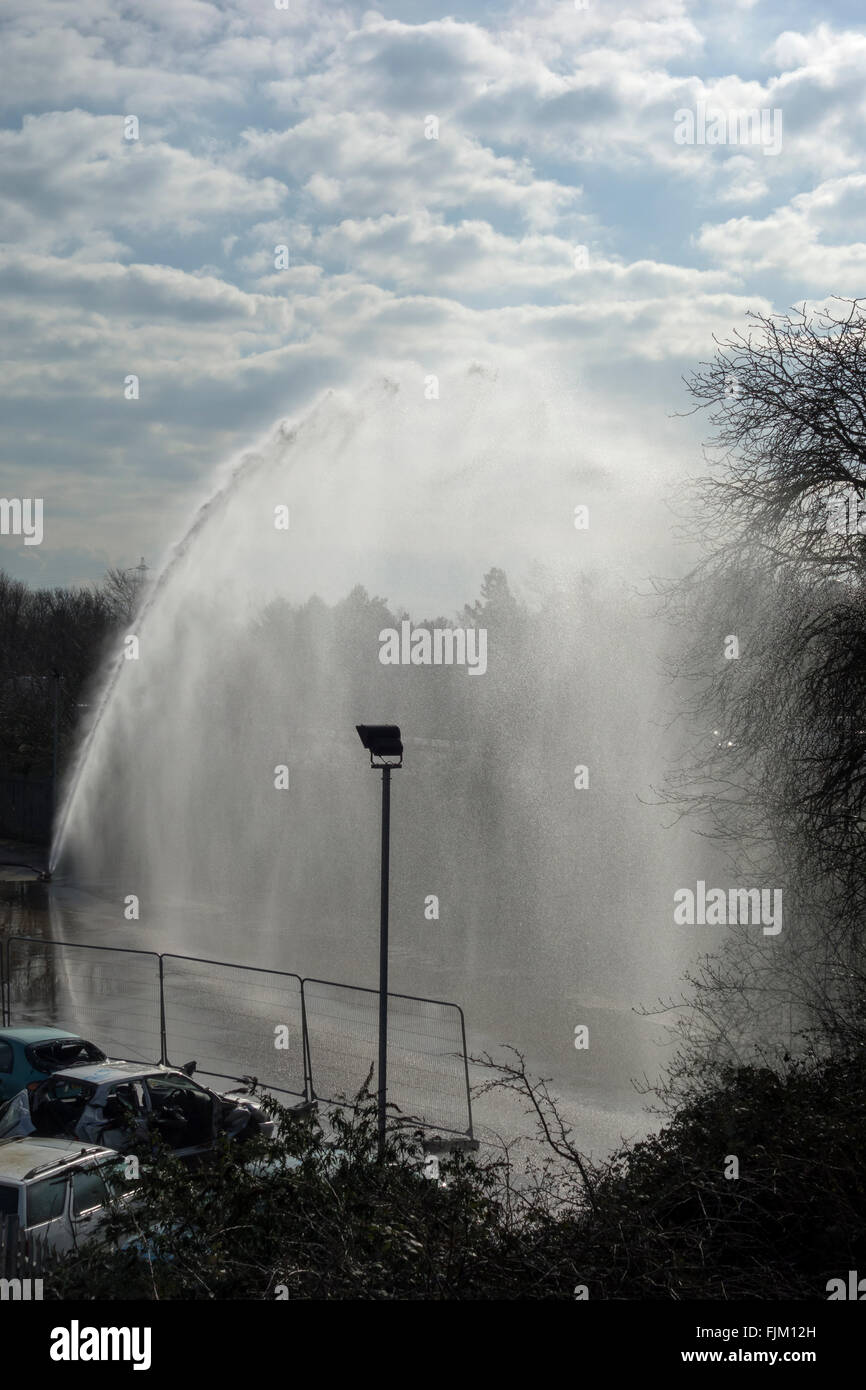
point(511, 184)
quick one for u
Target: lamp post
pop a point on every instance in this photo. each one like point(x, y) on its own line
point(56, 677)
point(383, 743)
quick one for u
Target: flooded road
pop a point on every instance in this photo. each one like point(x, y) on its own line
point(226, 1019)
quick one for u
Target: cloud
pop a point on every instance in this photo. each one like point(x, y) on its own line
point(351, 163)
point(801, 242)
point(307, 127)
point(110, 288)
point(65, 175)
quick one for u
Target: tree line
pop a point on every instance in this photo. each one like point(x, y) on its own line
point(52, 642)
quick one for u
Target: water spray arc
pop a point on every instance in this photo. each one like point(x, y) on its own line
point(207, 788)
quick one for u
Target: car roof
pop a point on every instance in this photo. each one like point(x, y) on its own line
point(19, 1157)
point(100, 1072)
point(35, 1035)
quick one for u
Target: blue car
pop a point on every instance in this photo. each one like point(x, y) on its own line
point(32, 1054)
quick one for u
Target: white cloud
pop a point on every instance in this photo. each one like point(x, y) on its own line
point(67, 174)
point(352, 163)
point(306, 127)
point(800, 242)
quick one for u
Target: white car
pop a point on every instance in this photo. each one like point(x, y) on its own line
point(58, 1192)
point(117, 1103)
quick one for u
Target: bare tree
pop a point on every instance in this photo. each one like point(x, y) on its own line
point(776, 765)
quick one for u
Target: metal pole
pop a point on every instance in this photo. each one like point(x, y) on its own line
point(163, 1048)
point(383, 957)
point(54, 749)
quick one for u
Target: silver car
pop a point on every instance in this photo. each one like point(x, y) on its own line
point(58, 1194)
point(118, 1103)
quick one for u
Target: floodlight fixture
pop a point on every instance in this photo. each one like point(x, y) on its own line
point(383, 743)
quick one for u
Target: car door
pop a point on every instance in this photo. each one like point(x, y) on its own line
point(46, 1212)
point(183, 1112)
point(90, 1201)
point(116, 1116)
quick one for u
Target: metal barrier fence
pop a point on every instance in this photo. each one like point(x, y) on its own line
point(426, 1050)
point(248, 1006)
point(109, 991)
point(304, 1037)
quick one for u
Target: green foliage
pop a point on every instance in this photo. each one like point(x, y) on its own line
point(794, 1218)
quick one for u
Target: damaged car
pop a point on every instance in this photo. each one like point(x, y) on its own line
point(121, 1104)
point(31, 1054)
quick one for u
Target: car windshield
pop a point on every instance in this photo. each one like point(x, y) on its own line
point(67, 1088)
point(59, 1103)
point(56, 1053)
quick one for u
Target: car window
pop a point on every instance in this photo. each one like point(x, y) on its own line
point(65, 1088)
point(56, 1053)
point(8, 1200)
point(160, 1086)
point(88, 1190)
point(46, 1199)
point(59, 1104)
point(118, 1179)
point(6, 1055)
point(126, 1096)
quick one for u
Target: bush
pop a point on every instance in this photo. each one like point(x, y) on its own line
point(314, 1217)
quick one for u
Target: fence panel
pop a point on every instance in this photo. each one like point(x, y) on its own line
point(304, 1038)
point(427, 1073)
point(109, 994)
point(230, 1019)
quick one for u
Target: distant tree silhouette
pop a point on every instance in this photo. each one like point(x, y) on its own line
point(776, 771)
